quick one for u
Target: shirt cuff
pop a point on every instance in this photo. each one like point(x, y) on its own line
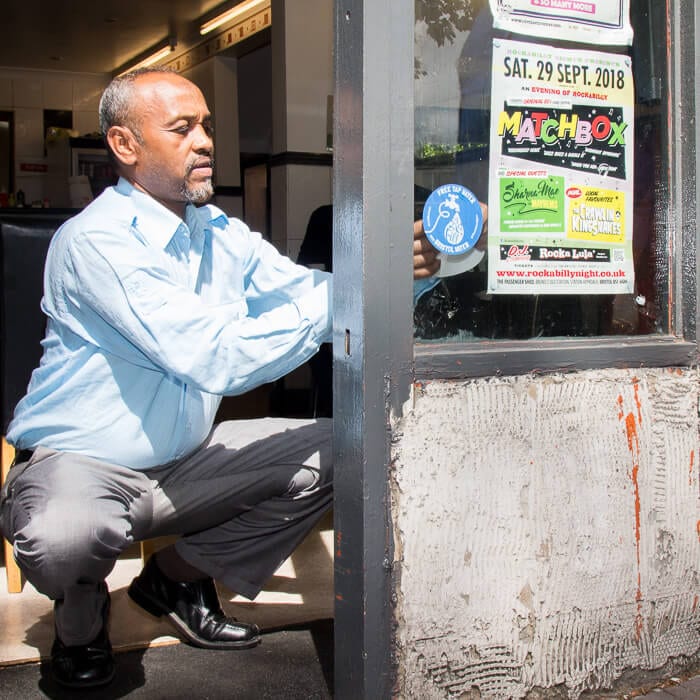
point(421, 287)
point(315, 307)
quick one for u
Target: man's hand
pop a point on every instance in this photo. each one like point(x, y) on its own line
point(425, 259)
point(483, 241)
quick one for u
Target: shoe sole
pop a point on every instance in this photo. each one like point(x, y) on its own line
point(157, 609)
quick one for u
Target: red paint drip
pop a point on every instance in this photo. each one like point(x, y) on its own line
point(633, 446)
point(692, 464)
point(637, 402)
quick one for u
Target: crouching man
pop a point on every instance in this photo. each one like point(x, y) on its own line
point(159, 304)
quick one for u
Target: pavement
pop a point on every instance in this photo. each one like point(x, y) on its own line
point(295, 663)
point(674, 689)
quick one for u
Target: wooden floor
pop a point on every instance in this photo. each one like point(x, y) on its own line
point(301, 591)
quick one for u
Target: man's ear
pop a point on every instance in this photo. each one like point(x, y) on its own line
point(123, 144)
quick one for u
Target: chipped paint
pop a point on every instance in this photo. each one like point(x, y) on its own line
point(546, 534)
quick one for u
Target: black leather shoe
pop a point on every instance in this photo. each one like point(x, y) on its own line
point(84, 666)
point(193, 608)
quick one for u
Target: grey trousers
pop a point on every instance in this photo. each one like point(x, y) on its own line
point(241, 503)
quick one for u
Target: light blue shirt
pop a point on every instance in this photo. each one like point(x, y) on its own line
point(152, 319)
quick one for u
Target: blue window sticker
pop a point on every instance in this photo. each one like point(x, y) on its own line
point(452, 219)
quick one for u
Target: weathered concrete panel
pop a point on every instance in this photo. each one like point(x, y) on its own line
point(548, 531)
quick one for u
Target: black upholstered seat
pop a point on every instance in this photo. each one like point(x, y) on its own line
point(25, 238)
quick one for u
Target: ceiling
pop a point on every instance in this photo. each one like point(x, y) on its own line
point(93, 36)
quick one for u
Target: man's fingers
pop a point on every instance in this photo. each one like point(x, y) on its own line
point(483, 241)
point(420, 260)
point(425, 258)
point(422, 245)
point(484, 211)
point(426, 271)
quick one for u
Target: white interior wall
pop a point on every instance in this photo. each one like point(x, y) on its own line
point(255, 100)
point(548, 532)
point(226, 127)
point(302, 79)
point(27, 93)
point(309, 75)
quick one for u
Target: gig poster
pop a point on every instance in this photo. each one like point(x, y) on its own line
point(561, 166)
point(602, 22)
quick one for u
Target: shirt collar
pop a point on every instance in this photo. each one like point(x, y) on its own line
point(155, 222)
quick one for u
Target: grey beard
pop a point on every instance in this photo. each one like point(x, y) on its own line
point(199, 194)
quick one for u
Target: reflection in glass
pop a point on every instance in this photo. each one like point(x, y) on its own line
point(453, 40)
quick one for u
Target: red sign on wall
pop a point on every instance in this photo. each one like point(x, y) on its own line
point(33, 167)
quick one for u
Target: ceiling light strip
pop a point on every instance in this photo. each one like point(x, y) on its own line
point(222, 41)
point(238, 12)
point(152, 58)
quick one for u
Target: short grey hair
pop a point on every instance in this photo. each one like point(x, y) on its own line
point(116, 101)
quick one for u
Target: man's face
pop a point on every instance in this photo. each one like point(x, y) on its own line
point(175, 158)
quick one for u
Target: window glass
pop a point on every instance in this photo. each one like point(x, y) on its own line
point(560, 131)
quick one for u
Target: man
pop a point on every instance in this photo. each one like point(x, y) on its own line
point(158, 305)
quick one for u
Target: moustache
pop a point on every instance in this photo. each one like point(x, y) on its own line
point(200, 163)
